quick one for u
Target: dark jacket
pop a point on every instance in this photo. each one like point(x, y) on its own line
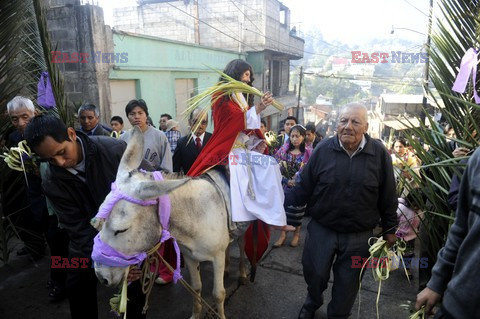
point(186, 153)
point(75, 201)
point(456, 274)
point(347, 194)
point(99, 130)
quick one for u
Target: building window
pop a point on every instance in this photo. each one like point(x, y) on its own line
point(283, 18)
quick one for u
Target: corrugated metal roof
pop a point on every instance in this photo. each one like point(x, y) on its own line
point(402, 124)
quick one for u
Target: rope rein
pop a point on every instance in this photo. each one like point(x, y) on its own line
point(154, 258)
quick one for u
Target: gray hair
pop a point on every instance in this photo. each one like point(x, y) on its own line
point(89, 107)
point(195, 114)
point(19, 102)
point(355, 105)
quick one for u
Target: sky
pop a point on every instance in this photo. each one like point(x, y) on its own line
point(348, 21)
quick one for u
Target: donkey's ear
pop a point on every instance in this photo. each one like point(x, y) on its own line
point(152, 189)
point(132, 157)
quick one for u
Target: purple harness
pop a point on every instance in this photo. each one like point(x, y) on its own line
point(106, 255)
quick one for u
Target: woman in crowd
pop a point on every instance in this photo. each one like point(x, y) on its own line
point(292, 156)
point(404, 164)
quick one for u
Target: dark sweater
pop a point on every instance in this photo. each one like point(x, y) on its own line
point(75, 201)
point(348, 194)
point(456, 274)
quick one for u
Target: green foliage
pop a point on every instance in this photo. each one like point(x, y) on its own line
point(25, 54)
point(457, 30)
point(340, 91)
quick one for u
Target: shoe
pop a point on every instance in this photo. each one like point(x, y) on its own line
point(22, 251)
point(281, 240)
point(161, 281)
point(57, 294)
point(306, 314)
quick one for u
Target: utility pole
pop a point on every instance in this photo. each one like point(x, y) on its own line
point(427, 62)
point(196, 22)
point(299, 91)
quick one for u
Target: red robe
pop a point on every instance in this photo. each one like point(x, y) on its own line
point(229, 120)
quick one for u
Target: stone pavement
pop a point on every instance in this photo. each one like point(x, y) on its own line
point(278, 291)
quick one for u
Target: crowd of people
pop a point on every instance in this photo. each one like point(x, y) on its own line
point(348, 184)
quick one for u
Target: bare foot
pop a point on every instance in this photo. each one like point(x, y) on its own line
point(281, 240)
point(284, 228)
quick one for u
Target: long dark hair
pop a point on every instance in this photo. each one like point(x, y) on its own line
point(235, 69)
point(300, 129)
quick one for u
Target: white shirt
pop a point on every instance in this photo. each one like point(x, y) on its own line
point(80, 167)
point(194, 138)
point(359, 148)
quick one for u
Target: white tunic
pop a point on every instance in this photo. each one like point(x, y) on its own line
point(266, 181)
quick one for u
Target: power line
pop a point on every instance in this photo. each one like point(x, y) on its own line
point(211, 26)
point(364, 79)
point(416, 8)
point(214, 15)
point(246, 17)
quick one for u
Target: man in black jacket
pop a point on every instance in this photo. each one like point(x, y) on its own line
point(77, 181)
point(89, 117)
point(189, 146)
point(348, 186)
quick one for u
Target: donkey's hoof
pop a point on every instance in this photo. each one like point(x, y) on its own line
point(242, 281)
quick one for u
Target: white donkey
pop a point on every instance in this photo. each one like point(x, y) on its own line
point(198, 222)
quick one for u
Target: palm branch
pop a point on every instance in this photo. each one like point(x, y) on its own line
point(457, 29)
point(24, 53)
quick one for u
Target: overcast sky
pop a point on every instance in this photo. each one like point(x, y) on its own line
point(349, 21)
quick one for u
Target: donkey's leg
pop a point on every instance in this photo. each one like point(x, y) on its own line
point(242, 277)
point(226, 272)
point(218, 287)
point(196, 283)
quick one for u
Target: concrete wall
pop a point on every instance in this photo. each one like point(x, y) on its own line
point(76, 28)
point(156, 63)
point(240, 25)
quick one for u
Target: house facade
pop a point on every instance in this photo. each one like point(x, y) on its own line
point(257, 29)
point(165, 73)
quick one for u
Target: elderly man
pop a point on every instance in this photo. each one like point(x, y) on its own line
point(20, 110)
point(89, 115)
point(37, 219)
point(348, 186)
point(189, 146)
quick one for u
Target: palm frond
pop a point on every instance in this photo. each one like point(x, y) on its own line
point(457, 30)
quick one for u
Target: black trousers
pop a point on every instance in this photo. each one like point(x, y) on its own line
point(325, 248)
point(57, 240)
point(82, 295)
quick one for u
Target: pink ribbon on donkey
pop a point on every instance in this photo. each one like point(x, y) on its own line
point(468, 67)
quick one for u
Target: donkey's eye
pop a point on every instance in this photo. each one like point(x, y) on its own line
point(120, 231)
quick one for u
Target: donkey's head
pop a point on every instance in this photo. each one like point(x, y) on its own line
point(131, 228)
